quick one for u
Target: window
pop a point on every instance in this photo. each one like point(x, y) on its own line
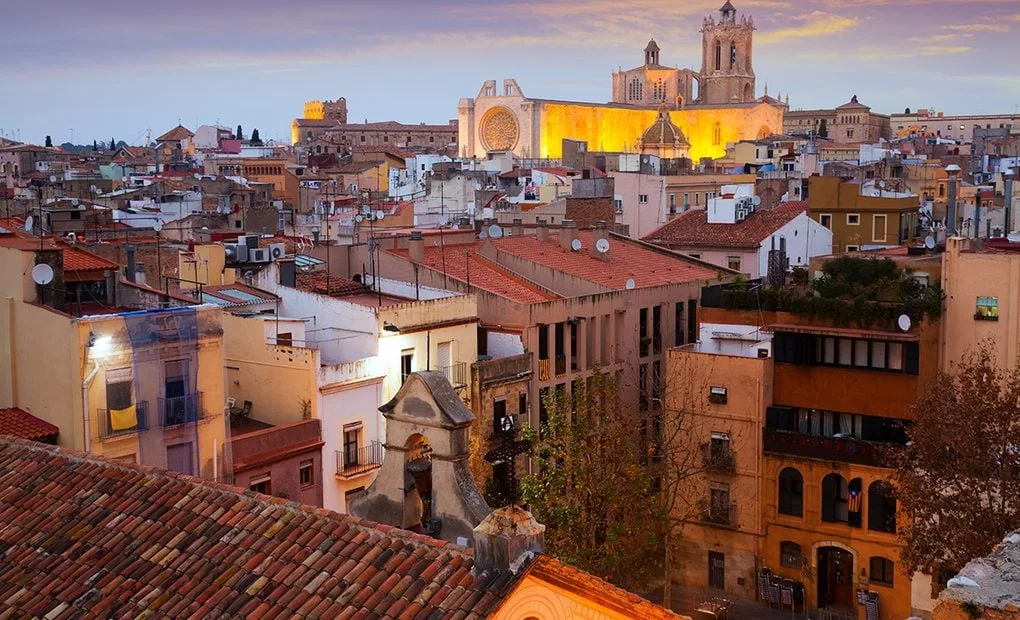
point(349, 495)
point(351, 437)
point(878, 228)
point(717, 395)
point(695, 255)
point(261, 484)
point(678, 327)
point(643, 387)
point(643, 331)
point(643, 199)
point(825, 219)
point(881, 571)
point(853, 248)
point(501, 422)
point(718, 56)
point(733, 262)
point(881, 507)
point(618, 205)
point(657, 329)
point(791, 492)
point(849, 133)
point(522, 405)
point(306, 474)
point(987, 309)
point(672, 203)
point(853, 219)
point(719, 506)
point(835, 498)
point(285, 339)
point(717, 134)
point(406, 364)
point(790, 555)
point(719, 448)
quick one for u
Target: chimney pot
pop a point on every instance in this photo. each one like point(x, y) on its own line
point(541, 230)
point(518, 228)
point(416, 247)
point(568, 232)
point(132, 268)
point(506, 539)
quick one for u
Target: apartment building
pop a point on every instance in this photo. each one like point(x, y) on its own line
point(859, 221)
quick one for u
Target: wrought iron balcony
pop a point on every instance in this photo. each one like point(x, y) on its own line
point(360, 461)
point(716, 514)
point(719, 459)
point(109, 427)
point(180, 409)
point(456, 374)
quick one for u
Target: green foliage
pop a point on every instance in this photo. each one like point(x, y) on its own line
point(592, 488)
point(113, 144)
point(851, 291)
point(255, 140)
point(95, 146)
point(49, 142)
point(823, 129)
point(240, 133)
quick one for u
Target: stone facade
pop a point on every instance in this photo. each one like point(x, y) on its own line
point(727, 75)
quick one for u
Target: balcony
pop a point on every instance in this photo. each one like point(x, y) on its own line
point(719, 460)
point(456, 374)
point(503, 369)
point(107, 423)
point(840, 449)
point(358, 462)
point(543, 369)
point(180, 409)
point(715, 514)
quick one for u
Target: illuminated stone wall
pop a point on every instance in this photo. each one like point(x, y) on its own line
point(609, 128)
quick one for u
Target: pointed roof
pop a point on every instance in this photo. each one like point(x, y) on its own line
point(454, 413)
point(853, 103)
point(176, 134)
point(663, 132)
point(652, 46)
point(727, 7)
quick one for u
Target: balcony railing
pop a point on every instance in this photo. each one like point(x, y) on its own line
point(357, 462)
point(543, 370)
point(725, 515)
point(180, 409)
point(456, 374)
point(719, 459)
point(107, 423)
point(840, 449)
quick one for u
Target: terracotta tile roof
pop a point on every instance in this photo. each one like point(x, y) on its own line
point(692, 229)
point(176, 134)
point(627, 259)
point(85, 536)
point(20, 423)
point(464, 264)
point(554, 572)
point(77, 259)
point(316, 282)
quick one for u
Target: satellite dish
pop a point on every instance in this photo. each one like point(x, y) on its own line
point(630, 283)
point(42, 274)
point(903, 323)
point(756, 200)
point(602, 245)
point(29, 221)
point(71, 238)
point(575, 245)
point(359, 217)
point(53, 178)
point(74, 202)
point(158, 226)
point(929, 242)
point(495, 231)
point(380, 215)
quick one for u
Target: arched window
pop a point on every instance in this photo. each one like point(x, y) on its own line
point(717, 134)
point(733, 56)
point(842, 502)
point(718, 56)
point(881, 507)
point(791, 492)
point(636, 89)
point(790, 554)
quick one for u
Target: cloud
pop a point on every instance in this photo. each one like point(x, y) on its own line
point(917, 52)
point(972, 28)
point(948, 37)
point(814, 24)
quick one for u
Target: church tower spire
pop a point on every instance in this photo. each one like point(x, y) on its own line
point(727, 74)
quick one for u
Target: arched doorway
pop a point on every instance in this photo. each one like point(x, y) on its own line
point(418, 485)
point(835, 578)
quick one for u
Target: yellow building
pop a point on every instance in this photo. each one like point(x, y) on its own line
point(140, 385)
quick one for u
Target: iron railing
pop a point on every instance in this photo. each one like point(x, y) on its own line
point(838, 449)
point(180, 409)
point(106, 430)
point(456, 374)
point(719, 514)
point(718, 459)
point(356, 462)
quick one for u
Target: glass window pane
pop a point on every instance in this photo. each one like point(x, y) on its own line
point(830, 351)
point(845, 351)
point(895, 356)
point(861, 353)
point(878, 354)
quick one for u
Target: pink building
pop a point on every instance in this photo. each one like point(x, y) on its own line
point(284, 460)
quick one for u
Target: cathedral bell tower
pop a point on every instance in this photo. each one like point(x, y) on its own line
point(727, 75)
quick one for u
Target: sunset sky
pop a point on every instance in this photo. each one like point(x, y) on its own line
point(115, 68)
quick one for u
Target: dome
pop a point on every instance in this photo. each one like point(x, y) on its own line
point(663, 133)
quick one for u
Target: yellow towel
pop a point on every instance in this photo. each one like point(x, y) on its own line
point(123, 419)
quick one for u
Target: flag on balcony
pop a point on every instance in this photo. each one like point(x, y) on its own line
point(123, 419)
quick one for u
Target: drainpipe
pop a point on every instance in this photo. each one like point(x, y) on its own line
point(85, 401)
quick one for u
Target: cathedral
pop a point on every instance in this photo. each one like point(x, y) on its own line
point(654, 108)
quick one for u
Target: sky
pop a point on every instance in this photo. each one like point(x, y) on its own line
point(86, 69)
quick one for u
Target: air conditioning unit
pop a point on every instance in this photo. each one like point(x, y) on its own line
point(258, 255)
point(277, 250)
point(236, 252)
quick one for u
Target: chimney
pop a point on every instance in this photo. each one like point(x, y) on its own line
point(416, 247)
point(953, 170)
point(288, 272)
point(568, 232)
point(1008, 175)
point(132, 268)
point(541, 230)
point(506, 539)
point(518, 229)
point(600, 232)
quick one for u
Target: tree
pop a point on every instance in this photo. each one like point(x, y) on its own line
point(823, 129)
point(95, 145)
point(113, 145)
point(958, 480)
point(255, 140)
point(49, 142)
point(591, 487)
point(240, 133)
